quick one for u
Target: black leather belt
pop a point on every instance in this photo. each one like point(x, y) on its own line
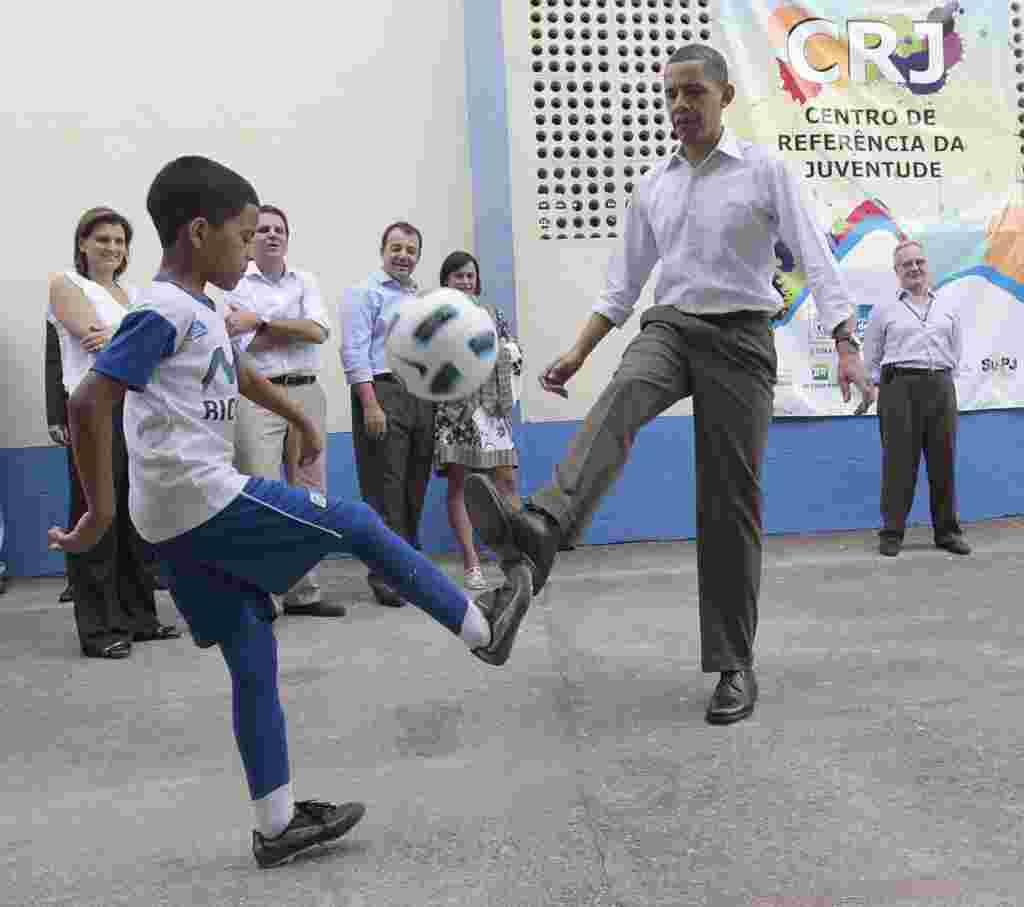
point(667, 314)
point(293, 380)
point(728, 318)
point(385, 376)
point(899, 370)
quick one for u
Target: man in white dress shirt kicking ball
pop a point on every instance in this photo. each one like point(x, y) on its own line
point(712, 214)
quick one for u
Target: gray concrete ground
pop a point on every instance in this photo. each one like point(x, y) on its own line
point(882, 766)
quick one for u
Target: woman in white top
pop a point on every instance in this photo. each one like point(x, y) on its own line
point(112, 584)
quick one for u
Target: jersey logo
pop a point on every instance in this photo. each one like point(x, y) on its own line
point(196, 330)
point(219, 360)
point(318, 499)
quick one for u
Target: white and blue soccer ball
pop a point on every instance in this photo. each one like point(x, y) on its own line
point(442, 345)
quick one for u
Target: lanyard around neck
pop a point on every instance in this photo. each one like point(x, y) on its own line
point(915, 313)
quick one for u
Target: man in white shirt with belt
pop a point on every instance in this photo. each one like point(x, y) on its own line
point(711, 214)
point(277, 316)
point(912, 346)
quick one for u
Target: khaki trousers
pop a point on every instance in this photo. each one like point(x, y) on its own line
point(262, 450)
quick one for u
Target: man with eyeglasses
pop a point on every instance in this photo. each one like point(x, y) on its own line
point(912, 348)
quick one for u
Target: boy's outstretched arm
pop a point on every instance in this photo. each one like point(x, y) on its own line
point(90, 420)
point(253, 386)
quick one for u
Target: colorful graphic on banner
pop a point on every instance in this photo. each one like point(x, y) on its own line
point(900, 123)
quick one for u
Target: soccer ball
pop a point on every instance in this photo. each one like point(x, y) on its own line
point(442, 345)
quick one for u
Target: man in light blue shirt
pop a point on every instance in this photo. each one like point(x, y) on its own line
point(711, 214)
point(392, 431)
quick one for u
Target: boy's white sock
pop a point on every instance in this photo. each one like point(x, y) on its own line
point(475, 632)
point(274, 811)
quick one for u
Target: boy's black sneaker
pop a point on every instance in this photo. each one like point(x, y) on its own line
point(504, 608)
point(314, 823)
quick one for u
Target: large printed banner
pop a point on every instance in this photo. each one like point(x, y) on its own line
point(900, 120)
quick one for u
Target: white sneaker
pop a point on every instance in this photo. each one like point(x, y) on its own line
point(475, 580)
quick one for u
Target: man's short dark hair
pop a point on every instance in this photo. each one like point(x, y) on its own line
point(273, 209)
point(714, 63)
point(191, 187)
point(405, 228)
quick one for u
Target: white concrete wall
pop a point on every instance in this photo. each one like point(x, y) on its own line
point(346, 115)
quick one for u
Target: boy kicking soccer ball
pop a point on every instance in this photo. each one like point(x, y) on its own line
point(228, 541)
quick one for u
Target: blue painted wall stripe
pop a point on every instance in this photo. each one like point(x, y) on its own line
point(486, 110)
point(820, 475)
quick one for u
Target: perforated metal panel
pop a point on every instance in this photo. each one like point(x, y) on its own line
point(599, 115)
point(1017, 37)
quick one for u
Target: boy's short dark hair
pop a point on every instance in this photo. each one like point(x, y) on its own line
point(405, 228)
point(273, 209)
point(192, 186)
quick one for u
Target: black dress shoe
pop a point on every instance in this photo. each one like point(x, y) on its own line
point(119, 649)
point(890, 547)
point(66, 596)
point(164, 631)
point(734, 697)
point(515, 535)
point(385, 595)
point(316, 609)
point(504, 608)
point(954, 544)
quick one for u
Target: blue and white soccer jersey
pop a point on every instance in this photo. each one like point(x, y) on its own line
point(228, 540)
point(173, 352)
point(173, 349)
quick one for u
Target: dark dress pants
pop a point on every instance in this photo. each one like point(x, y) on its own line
point(112, 584)
point(727, 364)
point(918, 414)
point(394, 471)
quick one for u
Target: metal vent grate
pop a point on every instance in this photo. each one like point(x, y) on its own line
point(1017, 39)
point(598, 111)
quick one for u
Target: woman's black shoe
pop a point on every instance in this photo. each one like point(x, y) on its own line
point(165, 631)
point(120, 649)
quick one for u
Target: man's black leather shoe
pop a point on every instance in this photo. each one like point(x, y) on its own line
point(889, 546)
point(528, 534)
point(315, 609)
point(734, 697)
point(955, 544)
point(385, 595)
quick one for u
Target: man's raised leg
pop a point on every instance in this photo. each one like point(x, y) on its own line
point(654, 374)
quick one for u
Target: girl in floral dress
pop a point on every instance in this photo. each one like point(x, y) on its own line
point(475, 434)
